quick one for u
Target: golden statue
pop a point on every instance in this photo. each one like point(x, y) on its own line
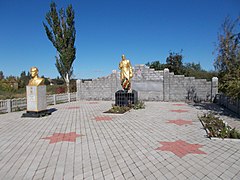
point(126, 73)
point(35, 81)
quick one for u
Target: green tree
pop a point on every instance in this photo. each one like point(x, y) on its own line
point(1, 75)
point(227, 61)
point(46, 80)
point(61, 32)
point(193, 66)
point(195, 70)
point(11, 78)
point(24, 79)
point(156, 65)
point(188, 69)
point(174, 63)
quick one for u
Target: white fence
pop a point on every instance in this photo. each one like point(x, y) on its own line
point(11, 105)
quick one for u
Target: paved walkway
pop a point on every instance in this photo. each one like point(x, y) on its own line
point(79, 141)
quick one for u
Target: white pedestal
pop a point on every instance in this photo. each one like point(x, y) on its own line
point(36, 98)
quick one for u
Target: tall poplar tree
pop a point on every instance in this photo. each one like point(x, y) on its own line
point(227, 61)
point(61, 32)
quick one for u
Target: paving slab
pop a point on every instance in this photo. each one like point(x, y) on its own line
point(165, 140)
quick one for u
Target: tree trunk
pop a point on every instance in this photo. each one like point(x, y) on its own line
point(67, 83)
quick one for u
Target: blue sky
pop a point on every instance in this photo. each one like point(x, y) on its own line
point(143, 30)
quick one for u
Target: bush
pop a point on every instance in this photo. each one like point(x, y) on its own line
point(218, 128)
point(118, 109)
point(10, 94)
point(56, 89)
point(60, 90)
point(139, 105)
point(123, 109)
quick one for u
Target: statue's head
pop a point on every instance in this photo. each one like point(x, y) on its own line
point(34, 71)
point(123, 57)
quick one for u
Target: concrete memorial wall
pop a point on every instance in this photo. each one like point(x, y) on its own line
point(151, 86)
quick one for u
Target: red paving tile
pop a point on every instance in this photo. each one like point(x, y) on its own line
point(179, 104)
point(103, 118)
point(93, 103)
point(180, 148)
point(117, 138)
point(73, 107)
point(180, 122)
point(58, 137)
point(179, 110)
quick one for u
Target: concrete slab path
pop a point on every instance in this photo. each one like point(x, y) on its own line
point(78, 141)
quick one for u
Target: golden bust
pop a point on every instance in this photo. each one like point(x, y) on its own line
point(35, 81)
point(126, 73)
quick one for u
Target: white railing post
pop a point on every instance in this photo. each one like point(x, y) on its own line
point(12, 104)
point(69, 97)
point(54, 99)
point(9, 105)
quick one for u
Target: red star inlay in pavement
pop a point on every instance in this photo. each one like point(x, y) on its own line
point(73, 107)
point(179, 110)
point(181, 148)
point(58, 137)
point(179, 104)
point(103, 118)
point(180, 122)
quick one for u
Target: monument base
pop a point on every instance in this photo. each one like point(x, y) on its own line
point(36, 114)
point(36, 98)
point(124, 98)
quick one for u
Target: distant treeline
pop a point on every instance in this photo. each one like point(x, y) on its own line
point(174, 64)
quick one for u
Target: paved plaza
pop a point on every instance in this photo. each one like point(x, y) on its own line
point(78, 141)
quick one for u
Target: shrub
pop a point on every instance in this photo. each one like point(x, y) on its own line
point(218, 128)
point(139, 105)
point(123, 109)
point(118, 109)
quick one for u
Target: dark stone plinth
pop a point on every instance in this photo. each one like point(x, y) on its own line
point(35, 114)
point(124, 98)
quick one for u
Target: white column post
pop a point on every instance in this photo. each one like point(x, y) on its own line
point(9, 105)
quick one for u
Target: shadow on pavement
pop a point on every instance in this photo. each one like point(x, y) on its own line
point(216, 109)
point(51, 110)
